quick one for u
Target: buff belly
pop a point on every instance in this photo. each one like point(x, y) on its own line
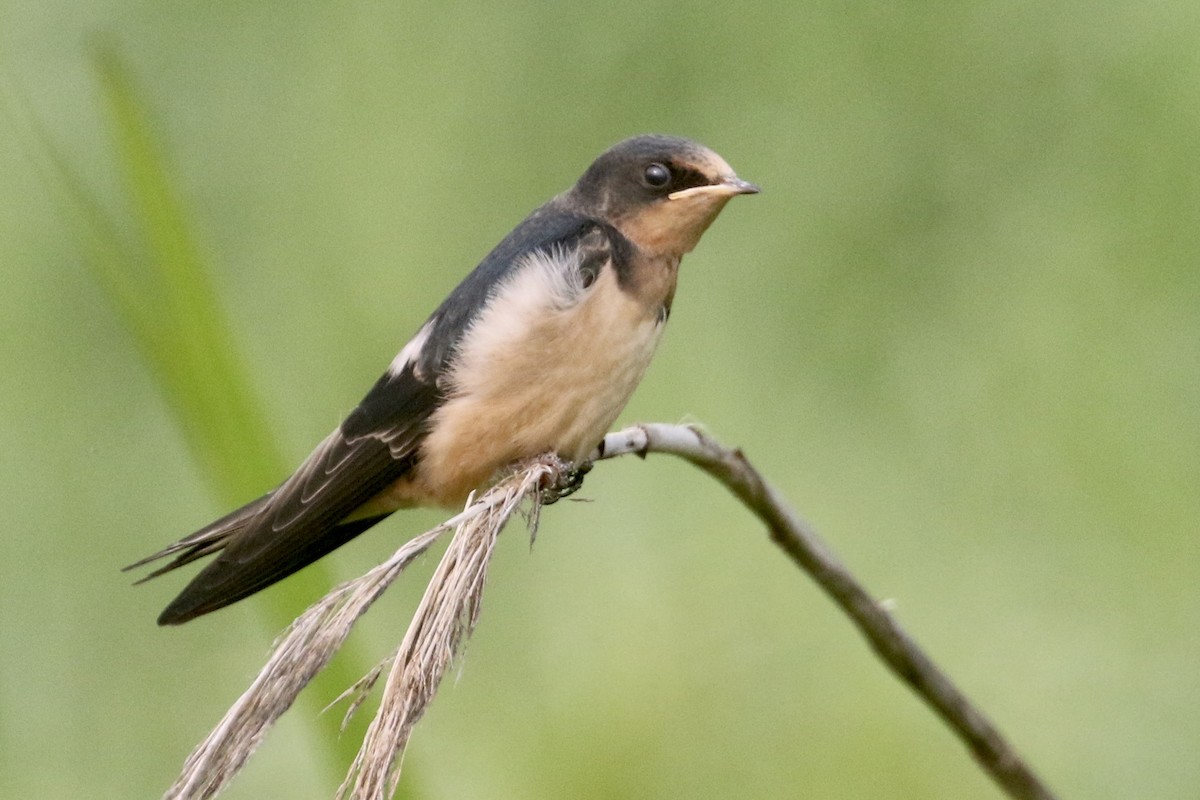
point(533, 376)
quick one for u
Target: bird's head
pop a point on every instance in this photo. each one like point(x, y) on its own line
point(662, 192)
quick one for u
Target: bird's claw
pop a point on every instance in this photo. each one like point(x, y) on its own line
point(568, 483)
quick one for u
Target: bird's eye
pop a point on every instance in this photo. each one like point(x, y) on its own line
point(657, 176)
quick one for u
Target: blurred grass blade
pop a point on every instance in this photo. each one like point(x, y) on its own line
point(160, 289)
point(174, 313)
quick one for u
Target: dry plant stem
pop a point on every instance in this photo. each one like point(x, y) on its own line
point(450, 608)
point(298, 655)
point(446, 615)
point(315, 636)
point(800, 542)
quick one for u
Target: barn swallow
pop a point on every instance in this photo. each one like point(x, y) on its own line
point(536, 351)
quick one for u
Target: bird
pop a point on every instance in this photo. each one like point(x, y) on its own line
point(536, 351)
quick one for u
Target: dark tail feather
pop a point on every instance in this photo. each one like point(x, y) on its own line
point(209, 539)
point(231, 577)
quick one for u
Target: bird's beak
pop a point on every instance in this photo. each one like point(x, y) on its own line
point(728, 187)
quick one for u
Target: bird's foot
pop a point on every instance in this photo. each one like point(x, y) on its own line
point(567, 483)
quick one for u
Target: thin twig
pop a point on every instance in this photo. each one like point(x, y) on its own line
point(797, 538)
point(450, 608)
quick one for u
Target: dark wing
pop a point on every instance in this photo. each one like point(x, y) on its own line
point(301, 521)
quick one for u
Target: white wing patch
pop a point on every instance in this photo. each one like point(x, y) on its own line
point(411, 350)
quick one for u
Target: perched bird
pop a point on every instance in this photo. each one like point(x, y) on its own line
point(536, 351)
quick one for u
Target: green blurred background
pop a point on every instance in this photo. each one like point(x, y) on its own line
point(960, 330)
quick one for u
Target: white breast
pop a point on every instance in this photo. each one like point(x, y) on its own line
point(547, 366)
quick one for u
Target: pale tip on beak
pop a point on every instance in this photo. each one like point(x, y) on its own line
point(739, 186)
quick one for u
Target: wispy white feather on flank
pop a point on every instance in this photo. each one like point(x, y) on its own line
point(543, 280)
point(542, 283)
point(447, 613)
point(555, 273)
